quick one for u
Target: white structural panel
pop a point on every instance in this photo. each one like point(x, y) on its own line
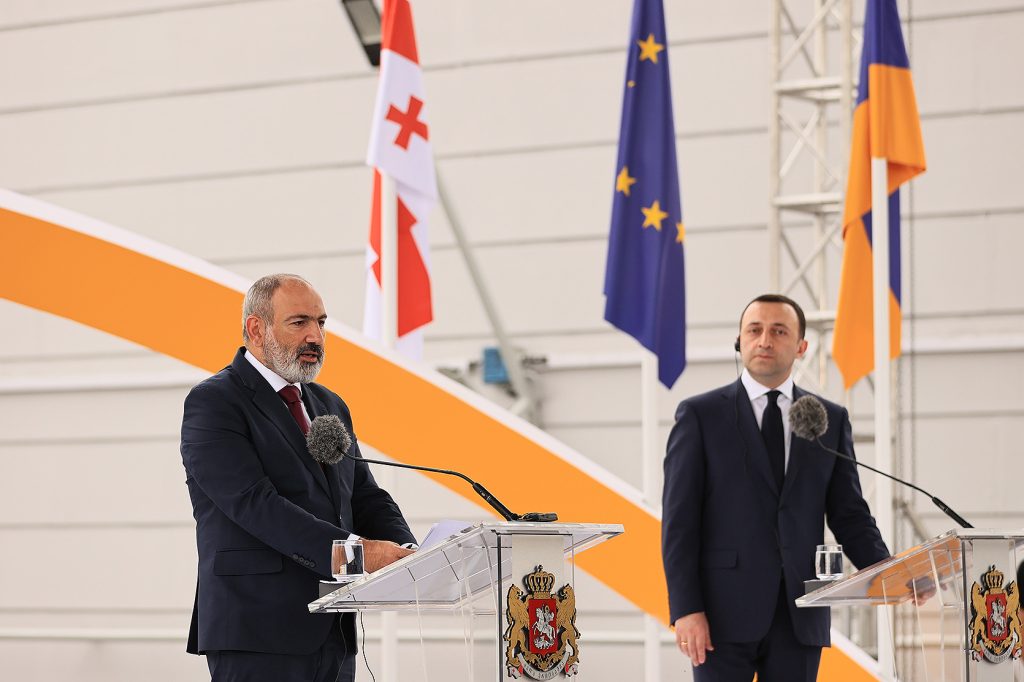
point(235, 130)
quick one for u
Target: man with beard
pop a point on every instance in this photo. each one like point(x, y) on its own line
point(266, 512)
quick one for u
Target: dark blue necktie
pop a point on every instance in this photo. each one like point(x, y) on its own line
point(774, 437)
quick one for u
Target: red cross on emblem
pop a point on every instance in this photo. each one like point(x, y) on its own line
point(408, 121)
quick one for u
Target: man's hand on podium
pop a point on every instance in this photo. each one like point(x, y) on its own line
point(922, 589)
point(379, 553)
point(693, 637)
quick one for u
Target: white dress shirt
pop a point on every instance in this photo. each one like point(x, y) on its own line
point(758, 395)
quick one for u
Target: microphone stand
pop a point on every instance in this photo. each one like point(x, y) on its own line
point(483, 492)
point(938, 503)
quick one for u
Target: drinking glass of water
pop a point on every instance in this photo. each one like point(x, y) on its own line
point(828, 562)
point(347, 560)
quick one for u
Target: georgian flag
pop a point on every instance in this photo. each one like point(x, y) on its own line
point(400, 147)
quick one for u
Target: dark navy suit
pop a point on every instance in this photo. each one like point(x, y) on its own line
point(266, 514)
point(731, 539)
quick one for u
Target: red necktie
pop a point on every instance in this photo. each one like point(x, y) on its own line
point(290, 395)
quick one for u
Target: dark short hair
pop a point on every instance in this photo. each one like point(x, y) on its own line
point(779, 298)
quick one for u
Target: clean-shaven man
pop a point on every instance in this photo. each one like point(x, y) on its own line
point(744, 507)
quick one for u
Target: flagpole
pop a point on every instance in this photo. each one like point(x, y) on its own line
point(388, 261)
point(651, 457)
point(883, 386)
point(389, 337)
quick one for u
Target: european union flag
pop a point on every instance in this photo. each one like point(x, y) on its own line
point(644, 283)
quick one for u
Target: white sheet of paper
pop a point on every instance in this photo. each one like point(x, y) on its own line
point(442, 530)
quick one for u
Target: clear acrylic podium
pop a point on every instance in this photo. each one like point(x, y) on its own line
point(483, 558)
point(957, 599)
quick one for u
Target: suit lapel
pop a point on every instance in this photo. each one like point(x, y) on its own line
point(797, 451)
point(316, 408)
point(757, 454)
point(275, 410)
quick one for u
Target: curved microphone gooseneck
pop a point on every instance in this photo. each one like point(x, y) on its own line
point(809, 420)
point(328, 441)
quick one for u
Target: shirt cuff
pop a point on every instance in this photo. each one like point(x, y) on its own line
point(349, 554)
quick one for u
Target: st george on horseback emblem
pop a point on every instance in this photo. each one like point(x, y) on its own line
point(995, 619)
point(541, 633)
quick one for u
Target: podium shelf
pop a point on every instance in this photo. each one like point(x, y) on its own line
point(933, 566)
point(453, 572)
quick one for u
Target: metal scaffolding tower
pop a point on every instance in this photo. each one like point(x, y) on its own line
point(812, 84)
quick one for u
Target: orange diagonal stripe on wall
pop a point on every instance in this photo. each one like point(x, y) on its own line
point(412, 416)
point(189, 317)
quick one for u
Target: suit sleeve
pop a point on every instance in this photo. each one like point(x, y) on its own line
point(847, 511)
point(218, 454)
point(375, 512)
point(682, 505)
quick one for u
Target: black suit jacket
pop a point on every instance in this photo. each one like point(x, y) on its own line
point(266, 514)
point(729, 536)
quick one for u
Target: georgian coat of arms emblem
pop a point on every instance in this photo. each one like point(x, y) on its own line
point(995, 619)
point(541, 633)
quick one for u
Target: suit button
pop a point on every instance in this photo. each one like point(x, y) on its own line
point(312, 563)
point(295, 556)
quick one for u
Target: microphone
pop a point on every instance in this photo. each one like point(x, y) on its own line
point(808, 420)
point(329, 441)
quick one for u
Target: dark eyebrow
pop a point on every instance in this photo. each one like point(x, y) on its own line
point(303, 318)
point(758, 323)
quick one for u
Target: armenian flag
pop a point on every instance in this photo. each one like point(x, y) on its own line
point(885, 125)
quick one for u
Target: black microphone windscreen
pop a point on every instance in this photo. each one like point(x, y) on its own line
point(807, 418)
point(328, 440)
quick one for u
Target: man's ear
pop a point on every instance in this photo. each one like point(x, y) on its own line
point(255, 328)
point(801, 348)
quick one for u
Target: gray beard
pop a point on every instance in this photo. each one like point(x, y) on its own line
point(287, 365)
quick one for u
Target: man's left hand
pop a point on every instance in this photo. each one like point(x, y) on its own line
point(922, 589)
point(379, 553)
